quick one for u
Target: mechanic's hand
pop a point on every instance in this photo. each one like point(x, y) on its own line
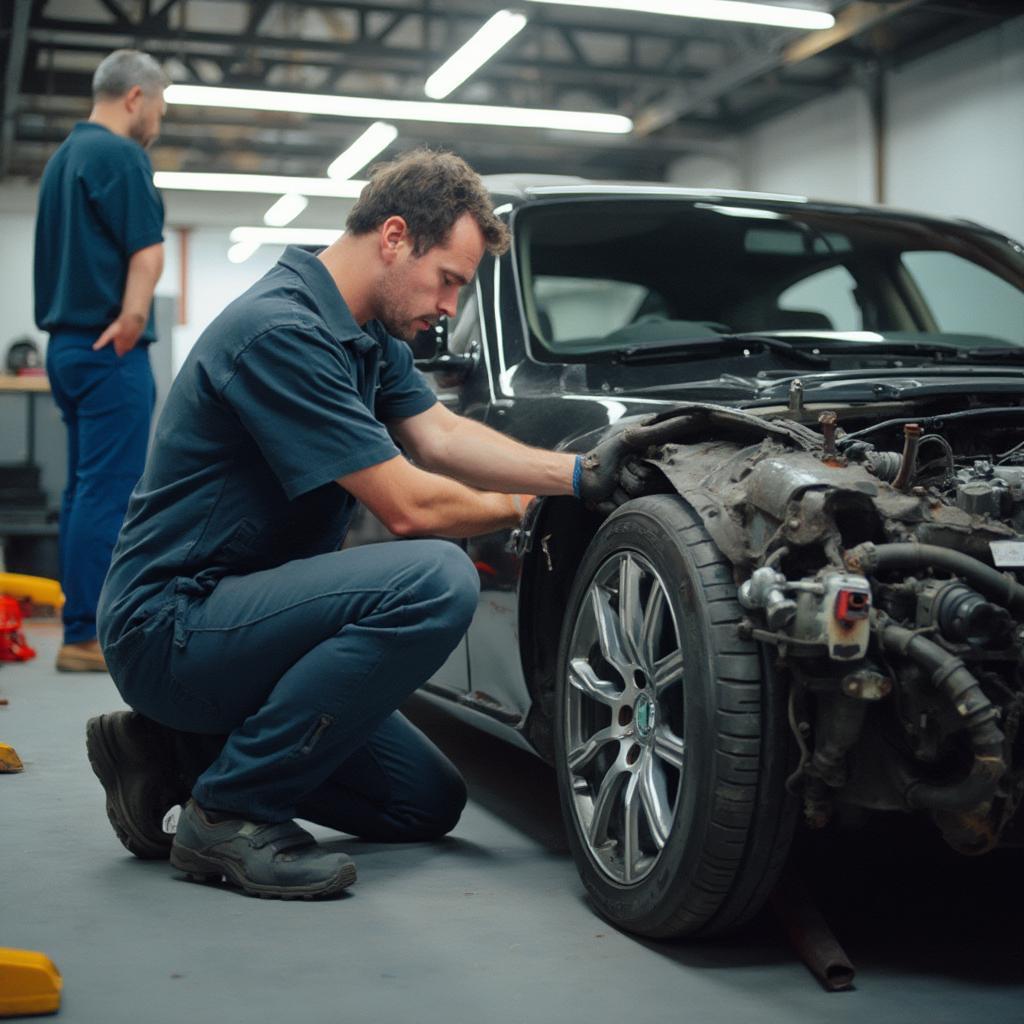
point(123, 333)
point(601, 467)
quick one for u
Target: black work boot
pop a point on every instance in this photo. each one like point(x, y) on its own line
point(134, 761)
point(274, 861)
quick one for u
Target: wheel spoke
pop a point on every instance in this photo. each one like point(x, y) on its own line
point(586, 680)
point(604, 806)
point(630, 610)
point(609, 632)
point(650, 633)
point(669, 747)
point(579, 757)
point(631, 828)
point(668, 671)
point(655, 801)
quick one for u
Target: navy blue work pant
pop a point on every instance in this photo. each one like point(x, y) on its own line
point(106, 403)
point(304, 666)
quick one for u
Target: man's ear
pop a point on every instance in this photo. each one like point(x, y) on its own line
point(132, 98)
point(394, 233)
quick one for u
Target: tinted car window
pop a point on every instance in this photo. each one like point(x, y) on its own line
point(966, 298)
point(600, 274)
point(828, 294)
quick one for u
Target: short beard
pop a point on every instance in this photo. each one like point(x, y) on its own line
point(389, 311)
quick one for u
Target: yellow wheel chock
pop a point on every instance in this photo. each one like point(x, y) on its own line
point(29, 983)
point(37, 589)
point(9, 761)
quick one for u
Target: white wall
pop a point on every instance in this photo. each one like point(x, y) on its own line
point(821, 150)
point(954, 143)
point(956, 131)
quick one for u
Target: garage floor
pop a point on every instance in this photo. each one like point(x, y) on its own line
point(489, 926)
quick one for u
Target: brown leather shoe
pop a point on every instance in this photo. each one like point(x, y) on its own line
point(83, 657)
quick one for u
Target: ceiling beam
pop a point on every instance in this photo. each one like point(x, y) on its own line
point(858, 17)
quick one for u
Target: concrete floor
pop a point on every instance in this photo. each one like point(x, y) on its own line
point(490, 925)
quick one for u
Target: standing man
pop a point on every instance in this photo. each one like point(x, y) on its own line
point(98, 255)
point(229, 610)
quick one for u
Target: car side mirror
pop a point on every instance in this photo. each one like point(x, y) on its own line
point(431, 355)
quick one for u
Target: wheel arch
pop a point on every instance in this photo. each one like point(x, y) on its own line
point(560, 533)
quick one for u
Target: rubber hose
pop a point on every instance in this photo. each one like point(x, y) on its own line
point(950, 675)
point(871, 558)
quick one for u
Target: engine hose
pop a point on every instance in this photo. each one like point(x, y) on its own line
point(951, 676)
point(872, 558)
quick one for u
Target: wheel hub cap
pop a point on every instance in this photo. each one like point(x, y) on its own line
point(645, 716)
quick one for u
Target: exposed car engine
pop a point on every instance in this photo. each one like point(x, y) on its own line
point(887, 589)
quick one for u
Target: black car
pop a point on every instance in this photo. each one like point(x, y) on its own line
point(810, 596)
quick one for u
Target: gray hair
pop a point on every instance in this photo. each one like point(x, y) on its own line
point(122, 70)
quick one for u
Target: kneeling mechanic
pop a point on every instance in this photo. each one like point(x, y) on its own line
point(263, 665)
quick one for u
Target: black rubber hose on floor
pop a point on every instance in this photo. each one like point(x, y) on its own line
point(875, 558)
point(950, 675)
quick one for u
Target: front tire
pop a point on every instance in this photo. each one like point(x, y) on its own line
point(670, 735)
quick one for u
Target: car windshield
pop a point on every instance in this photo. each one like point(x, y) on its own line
point(602, 275)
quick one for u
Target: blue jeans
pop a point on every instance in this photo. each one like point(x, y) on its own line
point(106, 403)
point(303, 667)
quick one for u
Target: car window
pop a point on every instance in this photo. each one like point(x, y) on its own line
point(581, 307)
point(602, 274)
point(965, 298)
point(827, 296)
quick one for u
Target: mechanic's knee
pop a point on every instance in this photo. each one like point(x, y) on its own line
point(449, 579)
point(436, 814)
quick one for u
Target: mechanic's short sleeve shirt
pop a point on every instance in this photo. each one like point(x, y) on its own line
point(97, 207)
point(281, 396)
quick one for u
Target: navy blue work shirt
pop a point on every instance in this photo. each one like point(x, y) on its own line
point(97, 207)
point(282, 394)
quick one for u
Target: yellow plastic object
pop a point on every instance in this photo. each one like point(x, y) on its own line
point(9, 762)
point(37, 589)
point(29, 983)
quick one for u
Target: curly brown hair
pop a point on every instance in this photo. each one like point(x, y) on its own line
point(430, 191)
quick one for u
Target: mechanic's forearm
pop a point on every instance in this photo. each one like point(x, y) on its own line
point(144, 270)
point(485, 459)
point(447, 508)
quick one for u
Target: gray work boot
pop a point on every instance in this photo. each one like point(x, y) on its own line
point(136, 765)
point(274, 861)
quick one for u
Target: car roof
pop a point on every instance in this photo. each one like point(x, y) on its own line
point(521, 189)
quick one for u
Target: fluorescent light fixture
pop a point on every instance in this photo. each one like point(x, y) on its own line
point(398, 110)
point(271, 184)
point(285, 236)
point(285, 210)
point(241, 251)
point(374, 140)
point(476, 51)
point(714, 10)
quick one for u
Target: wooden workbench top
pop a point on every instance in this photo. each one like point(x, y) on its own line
point(24, 384)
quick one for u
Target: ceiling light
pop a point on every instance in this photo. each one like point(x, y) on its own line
point(272, 184)
point(241, 251)
point(374, 140)
point(716, 10)
point(476, 51)
point(285, 236)
point(285, 210)
point(398, 110)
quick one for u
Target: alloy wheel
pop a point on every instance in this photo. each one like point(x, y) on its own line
point(624, 742)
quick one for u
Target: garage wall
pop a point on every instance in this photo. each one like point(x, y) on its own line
point(954, 144)
point(956, 133)
point(821, 150)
